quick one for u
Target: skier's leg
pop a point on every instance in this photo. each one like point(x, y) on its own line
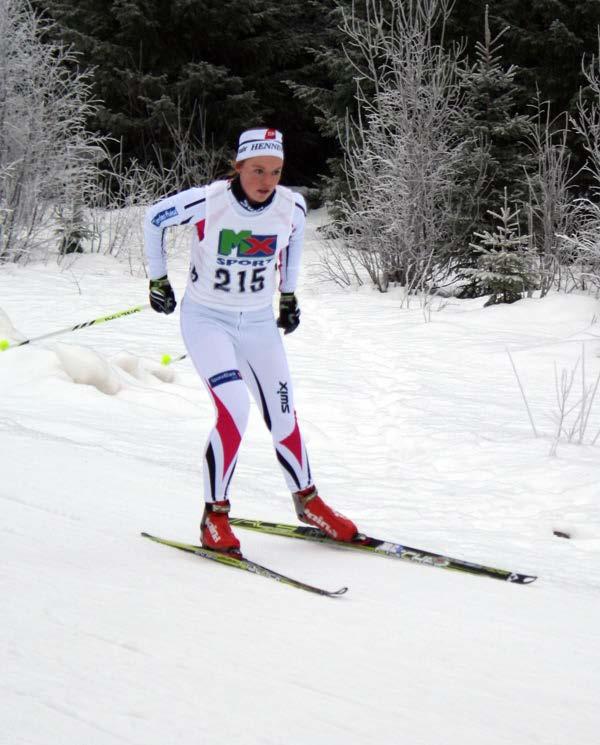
point(263, 362)
point(209, 339)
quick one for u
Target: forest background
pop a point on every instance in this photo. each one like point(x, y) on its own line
point(499, 100)
point(221, 66)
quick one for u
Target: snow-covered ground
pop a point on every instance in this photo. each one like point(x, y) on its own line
point(416, 429)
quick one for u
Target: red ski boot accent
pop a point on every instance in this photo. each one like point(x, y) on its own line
point(311, 509)
point(215, 531)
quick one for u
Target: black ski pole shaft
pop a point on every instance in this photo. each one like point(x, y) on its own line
point(4, 343)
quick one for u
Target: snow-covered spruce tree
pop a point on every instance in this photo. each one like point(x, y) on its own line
point(47, 156)
point(505, 267)
point(403, 156)
point(490, 115)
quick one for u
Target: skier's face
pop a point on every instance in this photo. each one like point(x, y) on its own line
point(259, 176)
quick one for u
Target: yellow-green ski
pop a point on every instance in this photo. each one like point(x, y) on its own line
point(240, 562)
point(366, 544)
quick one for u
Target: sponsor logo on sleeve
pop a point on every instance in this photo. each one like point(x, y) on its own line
point(164, 215)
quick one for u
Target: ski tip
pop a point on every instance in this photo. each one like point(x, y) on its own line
point(522, 579)
point(336, 593)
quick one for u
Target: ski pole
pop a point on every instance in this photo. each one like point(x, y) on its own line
point(5, 344)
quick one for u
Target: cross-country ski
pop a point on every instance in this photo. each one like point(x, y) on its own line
point(378, 547)
point(237, 561)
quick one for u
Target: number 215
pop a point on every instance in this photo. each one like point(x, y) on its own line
point(223, 280)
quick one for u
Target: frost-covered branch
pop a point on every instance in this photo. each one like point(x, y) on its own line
point(585, 240)
point(403, 156)
point(552, 210)
point(47, 154)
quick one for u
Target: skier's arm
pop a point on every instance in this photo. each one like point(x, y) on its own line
point(180, 209)
point(291, 256)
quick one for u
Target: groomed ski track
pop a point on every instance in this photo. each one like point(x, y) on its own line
point(107, 639)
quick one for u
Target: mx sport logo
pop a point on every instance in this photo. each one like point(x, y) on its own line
point(248, 248)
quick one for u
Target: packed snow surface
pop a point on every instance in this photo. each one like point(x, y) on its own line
point(416, 427)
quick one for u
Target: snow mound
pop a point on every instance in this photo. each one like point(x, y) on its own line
point(7, 331)
point(87, 367)
point(109, 376)
point(143, 369)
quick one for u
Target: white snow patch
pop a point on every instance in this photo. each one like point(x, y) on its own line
point(87, 367)
point(143, 370)
point(8, 332)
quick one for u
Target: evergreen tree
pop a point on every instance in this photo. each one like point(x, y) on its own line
point(505, 267)
point(151, 71)
point(290, 31)
point(162, 65)
point(545, 40)
point(329, 93)
point(490, 114)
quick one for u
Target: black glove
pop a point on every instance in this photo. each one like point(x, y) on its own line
point(162, 297)
point(289, 312)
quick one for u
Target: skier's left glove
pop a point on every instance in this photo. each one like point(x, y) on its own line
point(289, 312)
point(162, 297)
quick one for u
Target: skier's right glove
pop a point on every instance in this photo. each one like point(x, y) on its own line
point(289, 312)
point(162, 297)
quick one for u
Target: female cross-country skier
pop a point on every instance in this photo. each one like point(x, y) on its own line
point(246, 229)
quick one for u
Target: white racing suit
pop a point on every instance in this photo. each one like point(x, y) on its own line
point(227, 319)
point(237, 351)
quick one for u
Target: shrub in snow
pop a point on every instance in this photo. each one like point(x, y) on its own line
point(403, 156)
point(574, 409)
point(505, 267)
point(551, 207)
point(505, 275)
point(583, 242)
point(125, 188)
point(47, 156)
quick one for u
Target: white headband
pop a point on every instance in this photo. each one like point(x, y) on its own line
point(255, 142)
